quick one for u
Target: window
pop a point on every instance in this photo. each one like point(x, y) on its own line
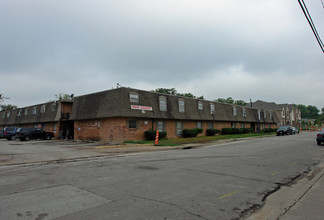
point(181, 105)
point(259, 114)
point(163, 103)
point(132, 124)
point(26, 111)
point(134, 97)
point(233, 124)
point(210, 125)
point(160, 126)
point(265, 114)
point(34, 111)
point(179, 127)
point(54, 127)
point(234, 111)
point(19, 113)
point(43, 109)
point(283, 112)
point(199, 124)
point(3, 115)
point(270, 113)
point(8, 114)
point(242, 125)
point(212, 108)
point(200, 105)
point(53, 107)
point(244, 112)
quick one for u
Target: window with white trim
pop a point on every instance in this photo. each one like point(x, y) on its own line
point(212, 108)
point(163, 103)
point(179, 128)
point(244, 112)
point(259, 114)
point(181, 105)
point(43, 109)
point(8, 114)
point(200, 105)
point(133, 97)
point(26, 111)
point(160, 126)
point(34, 111)
point(19, 113)
point(234, 111)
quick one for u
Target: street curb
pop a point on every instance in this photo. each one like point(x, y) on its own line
point(279, 203)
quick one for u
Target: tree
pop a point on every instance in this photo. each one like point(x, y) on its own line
point(173, 91)
point(222, 100)
point(63, 96)
point(240, 102)
point(9, 107)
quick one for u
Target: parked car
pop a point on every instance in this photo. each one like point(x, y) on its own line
point(1, 134)
point(284, 130)
point(320, 137)
point(25, 134)
point(295, 130)
point(10, 133)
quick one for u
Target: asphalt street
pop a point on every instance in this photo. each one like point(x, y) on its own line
point(217, 181)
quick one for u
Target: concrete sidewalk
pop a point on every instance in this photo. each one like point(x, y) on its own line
point(302, 200)
point(311, 204)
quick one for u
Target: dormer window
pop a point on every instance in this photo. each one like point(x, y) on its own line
point(43, 109)
point(26, 111)
point(163, 103)
point(19, 113)
point(200, 105)
point(212, 108)
point(34, 111)
point(244, 112)
point(181, 105)
point(234, 111)
point(134, 97)
point(259, 114)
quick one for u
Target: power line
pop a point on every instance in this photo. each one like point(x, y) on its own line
point(311, 23)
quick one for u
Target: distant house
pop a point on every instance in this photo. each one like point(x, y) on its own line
point(51, 116)
point(287, 114)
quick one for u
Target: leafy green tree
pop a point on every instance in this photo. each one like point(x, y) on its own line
point(222, 100)
point(240, 102)
point(171, 91)
point(63, 96)
point(230, 100)
point(9, 107)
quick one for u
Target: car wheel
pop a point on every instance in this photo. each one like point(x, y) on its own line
point(318, 143)
point(26, 138)
point(48, 137)
point(13, 137)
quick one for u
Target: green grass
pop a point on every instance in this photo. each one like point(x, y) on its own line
point(202, 139)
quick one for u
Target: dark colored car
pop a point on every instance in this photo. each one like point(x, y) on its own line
point(1, 134)
point(320, 137)
point(10, 133)
point(295, 130)
point(25, 134)
point(284, 130)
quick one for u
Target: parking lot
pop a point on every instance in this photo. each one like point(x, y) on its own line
point(23, 152)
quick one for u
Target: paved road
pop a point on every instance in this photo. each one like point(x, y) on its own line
point(219, 181)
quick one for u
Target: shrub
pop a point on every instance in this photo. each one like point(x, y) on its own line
point(191, 132)
point(212, 132)
point(150, 135)
point(236, 130)
point(268, 130)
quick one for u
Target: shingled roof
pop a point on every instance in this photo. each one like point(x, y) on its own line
point(116, 103)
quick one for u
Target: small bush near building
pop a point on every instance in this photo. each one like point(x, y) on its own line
point(212, 132)
point(191, 132)
point(269, 130)
point(150, 135)
point(236, 130)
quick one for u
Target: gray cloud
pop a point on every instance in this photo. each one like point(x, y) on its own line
point(86, 46)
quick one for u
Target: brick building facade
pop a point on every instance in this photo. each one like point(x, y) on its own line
point(122, 114)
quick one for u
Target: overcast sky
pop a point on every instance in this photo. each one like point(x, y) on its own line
point(259, 50)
